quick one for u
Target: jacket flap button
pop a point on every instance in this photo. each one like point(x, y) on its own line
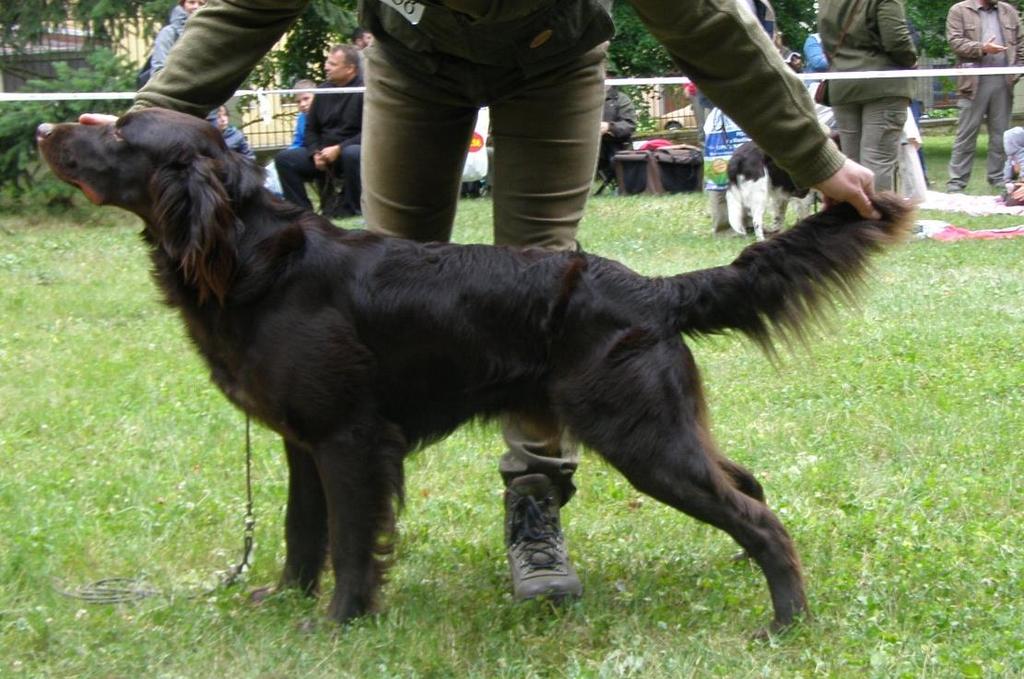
point(540, 38)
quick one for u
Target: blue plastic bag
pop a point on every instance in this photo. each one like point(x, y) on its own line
point(721, 138)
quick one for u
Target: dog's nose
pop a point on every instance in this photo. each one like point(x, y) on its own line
point(43, 131)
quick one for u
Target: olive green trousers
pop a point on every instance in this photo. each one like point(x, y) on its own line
point(545, 133)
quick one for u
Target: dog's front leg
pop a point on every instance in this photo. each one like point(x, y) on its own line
point(757, 198)
point(305, 529)
point(736, 209)
point(779, 201)
point(805, 206)
point(358, 489)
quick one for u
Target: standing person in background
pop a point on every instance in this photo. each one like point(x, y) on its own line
point(916, 104)
point(539, 66)
point(982, 33)
point(167, 37)
point(815, 60)
point(304, 101)
point(869, 35)
point(795, 61)
point(618, 123)
point(361, 38)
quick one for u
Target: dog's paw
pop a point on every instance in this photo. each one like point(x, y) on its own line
point(779, 628)
point(306, 626)
point(261, 594)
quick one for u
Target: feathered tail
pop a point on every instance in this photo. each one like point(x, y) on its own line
point(776, 286)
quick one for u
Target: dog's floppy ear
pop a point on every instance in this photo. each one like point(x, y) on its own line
point(196, 224)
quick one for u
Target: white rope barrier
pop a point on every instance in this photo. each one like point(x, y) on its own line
point(261, 94)
point(850, 75)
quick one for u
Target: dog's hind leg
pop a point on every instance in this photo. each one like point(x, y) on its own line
point(805, 205)
point(305, 524)
point(741, 478)
point(755, 196)
point(736, 210)
point(682, 475)
point(779, 201)
point(646, 416)
point(362, 480)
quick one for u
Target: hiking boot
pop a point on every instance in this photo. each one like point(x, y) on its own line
point(536, 548)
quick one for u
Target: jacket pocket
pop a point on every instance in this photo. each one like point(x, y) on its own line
point(1010, 39)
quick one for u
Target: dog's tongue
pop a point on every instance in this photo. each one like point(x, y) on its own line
point(90, 193)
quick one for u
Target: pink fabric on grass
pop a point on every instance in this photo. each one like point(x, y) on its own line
point(954, 233)
point(654, 144)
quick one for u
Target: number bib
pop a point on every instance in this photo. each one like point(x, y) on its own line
point(410, 10)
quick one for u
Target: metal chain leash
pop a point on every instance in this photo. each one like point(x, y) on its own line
point(242, 566)
point(124, 590)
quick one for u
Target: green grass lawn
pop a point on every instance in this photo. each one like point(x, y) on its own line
point(890, 448)
point(937, 149)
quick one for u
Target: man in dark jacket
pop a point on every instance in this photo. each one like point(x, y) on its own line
point(618, 122)
point(334, 130)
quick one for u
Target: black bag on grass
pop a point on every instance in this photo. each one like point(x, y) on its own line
point(680, 168)
point(631, 171)
point(670, 169)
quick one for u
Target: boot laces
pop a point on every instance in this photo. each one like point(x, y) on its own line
point(536, 534)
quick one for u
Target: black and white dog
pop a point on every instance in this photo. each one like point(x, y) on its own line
point(755, 183)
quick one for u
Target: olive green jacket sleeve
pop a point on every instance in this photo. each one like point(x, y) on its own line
point(720, 46)
point(220, 45)
point(734, 63)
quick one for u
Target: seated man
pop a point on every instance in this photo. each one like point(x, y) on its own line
point(332, 137)
point(618, 123)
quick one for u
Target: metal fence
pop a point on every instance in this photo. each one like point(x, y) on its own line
point(17, 66)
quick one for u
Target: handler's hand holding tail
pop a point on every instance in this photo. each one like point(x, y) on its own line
point(854, 184)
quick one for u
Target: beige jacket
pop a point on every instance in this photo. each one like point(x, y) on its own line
point(963, 31)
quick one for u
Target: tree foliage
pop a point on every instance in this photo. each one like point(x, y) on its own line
point(929, 18)
point(20, 169)
point(22, 22)
point(795, 19)
point(324, 23)
point(633, 52)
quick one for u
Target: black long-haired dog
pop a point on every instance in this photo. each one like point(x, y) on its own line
point(358, 349)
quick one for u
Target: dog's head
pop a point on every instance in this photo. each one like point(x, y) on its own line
point(172, 170)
